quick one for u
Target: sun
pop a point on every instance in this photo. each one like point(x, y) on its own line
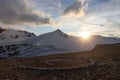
point(85, 35)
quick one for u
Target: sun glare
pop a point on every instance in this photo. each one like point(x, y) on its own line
point(85, 35)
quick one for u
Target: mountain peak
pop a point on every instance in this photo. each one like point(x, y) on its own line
point(59, 32)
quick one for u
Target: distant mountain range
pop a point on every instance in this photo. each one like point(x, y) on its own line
point(25, 44)
point(12, 36)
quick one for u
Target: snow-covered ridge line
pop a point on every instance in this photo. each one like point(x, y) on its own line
point(14, 35)
point(56, 42)
point(9, 37)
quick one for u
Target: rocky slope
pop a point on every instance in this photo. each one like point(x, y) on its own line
point(101, 63)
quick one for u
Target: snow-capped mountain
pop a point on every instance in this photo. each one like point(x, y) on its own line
point(60, 42)
point(55, 42)
point(8, 36)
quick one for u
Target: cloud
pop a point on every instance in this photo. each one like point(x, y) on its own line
point(104, 7)
point(76, 9)
point(19, 12)
point(52, 8)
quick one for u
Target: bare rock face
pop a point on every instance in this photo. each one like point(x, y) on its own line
point(1, 30)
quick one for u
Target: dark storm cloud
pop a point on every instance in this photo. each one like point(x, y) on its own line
point(19, 12)
point(76, 8)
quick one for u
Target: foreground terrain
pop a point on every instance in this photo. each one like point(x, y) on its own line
point(102, 63)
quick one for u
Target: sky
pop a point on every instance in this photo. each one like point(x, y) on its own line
point(99, 17)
